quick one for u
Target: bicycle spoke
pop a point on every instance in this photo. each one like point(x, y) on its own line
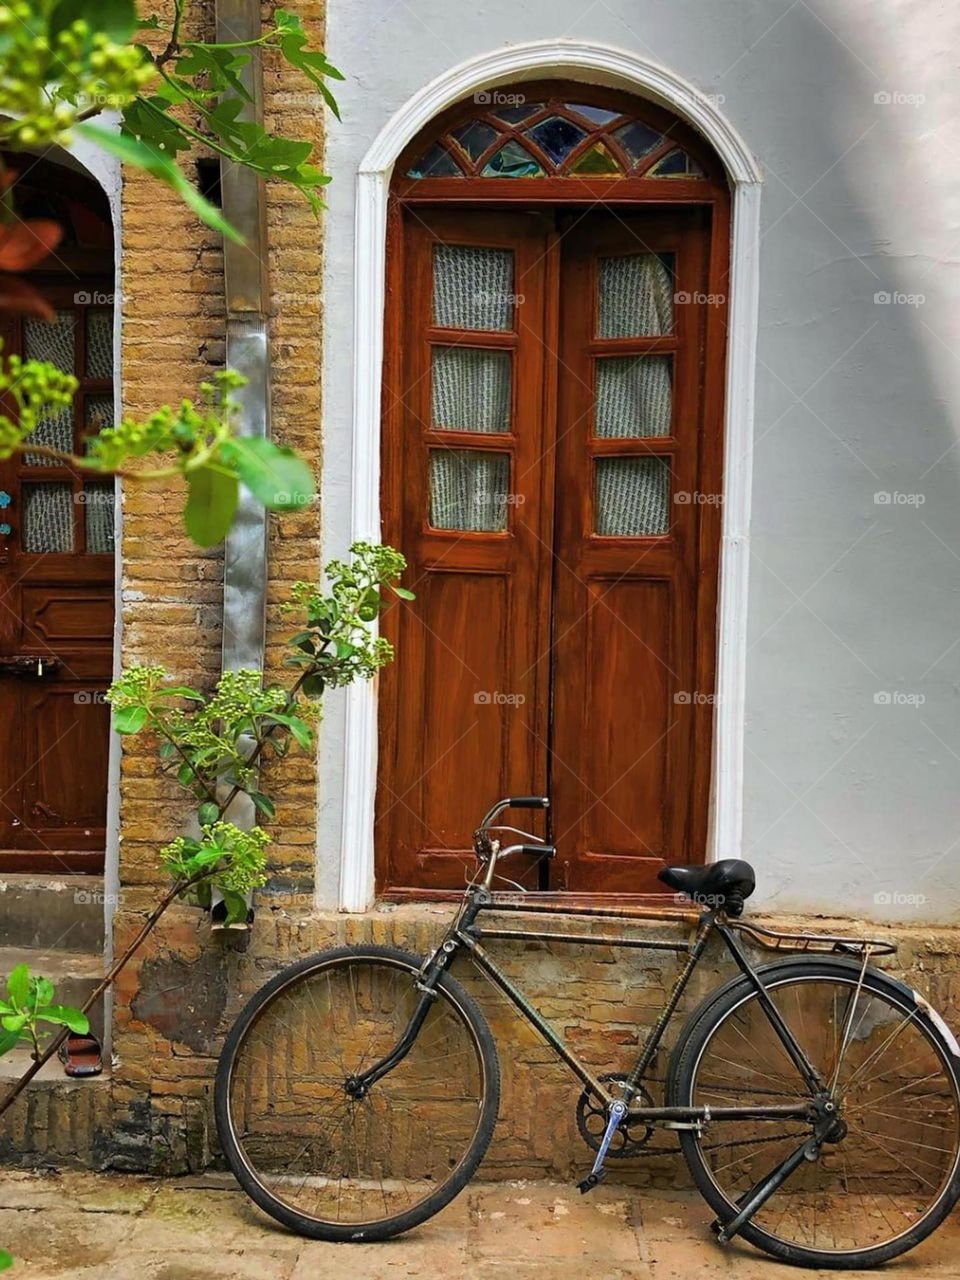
point(894, 1161)
point(343, 1159)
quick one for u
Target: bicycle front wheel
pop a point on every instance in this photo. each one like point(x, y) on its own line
point(890, 1175)
point(332, 1166)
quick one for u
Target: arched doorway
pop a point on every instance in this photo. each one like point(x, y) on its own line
point(552, 468)
point(57, 548)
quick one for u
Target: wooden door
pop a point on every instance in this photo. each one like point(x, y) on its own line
point(465, 714)
point(630, 501)
point(56, 590)
point(562, 640)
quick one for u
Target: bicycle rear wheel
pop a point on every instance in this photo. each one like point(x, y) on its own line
point(893, 1175)
point(332, 1166)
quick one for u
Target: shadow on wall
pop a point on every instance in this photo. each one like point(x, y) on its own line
point(853, 741)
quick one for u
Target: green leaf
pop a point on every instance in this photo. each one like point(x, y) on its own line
point(299, 729)
point(143, 156)
point(221, 65)
point(147, 120)
point(8, 1040)
point(211, 505)
point(313, 65)
point(43, 992)
point(18, 985)
point(279, 477)
point(403, 593)
point(182, 691)
point(130, 719)
point(63, 1015)
point(313, 686)
point(14, 1022)
point(236, 904)
point(263, 804)
point(115, 18)
point(208, 814)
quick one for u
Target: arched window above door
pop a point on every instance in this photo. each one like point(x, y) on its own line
point(558, 131)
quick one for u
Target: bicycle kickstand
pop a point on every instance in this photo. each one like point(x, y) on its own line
point(618, 1110)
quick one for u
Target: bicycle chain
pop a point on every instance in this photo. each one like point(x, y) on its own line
point(645, 1151)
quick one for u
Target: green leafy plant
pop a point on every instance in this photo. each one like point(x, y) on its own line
point(215, 745)
point(197, 441)
point(66, 61)
point(29, 1003)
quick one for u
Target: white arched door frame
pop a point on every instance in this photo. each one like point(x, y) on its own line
point(620, 69)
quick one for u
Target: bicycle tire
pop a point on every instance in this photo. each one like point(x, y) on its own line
point(455, 997)
point(707, 1022)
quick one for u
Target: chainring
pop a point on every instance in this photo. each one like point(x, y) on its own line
point(631, 1136)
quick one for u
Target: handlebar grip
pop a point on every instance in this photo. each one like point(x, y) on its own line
point(540, 850)
point(529, 802)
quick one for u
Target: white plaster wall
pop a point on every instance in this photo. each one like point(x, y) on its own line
point(846, 797)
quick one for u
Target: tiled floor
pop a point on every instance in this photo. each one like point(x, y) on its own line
point(118, 1227)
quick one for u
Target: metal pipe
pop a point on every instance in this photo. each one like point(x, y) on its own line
point(246, 296)
point(246, 292)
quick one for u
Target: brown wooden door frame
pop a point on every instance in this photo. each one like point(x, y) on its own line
point(58, 610)
point(425, 199)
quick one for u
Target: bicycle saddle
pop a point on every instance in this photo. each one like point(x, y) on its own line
point(719, 884)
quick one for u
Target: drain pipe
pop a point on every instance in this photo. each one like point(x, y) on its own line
point(246, 290)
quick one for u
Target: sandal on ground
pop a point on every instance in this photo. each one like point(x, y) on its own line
point(81, 1055)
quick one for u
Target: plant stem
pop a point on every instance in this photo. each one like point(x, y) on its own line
point(150, 924)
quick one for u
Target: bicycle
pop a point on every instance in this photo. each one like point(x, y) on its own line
point(816, 1099)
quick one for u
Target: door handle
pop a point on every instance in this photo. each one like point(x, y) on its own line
point(25, 665)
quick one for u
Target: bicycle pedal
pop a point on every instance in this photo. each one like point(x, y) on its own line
point(717, 1228)
point(590, 1181)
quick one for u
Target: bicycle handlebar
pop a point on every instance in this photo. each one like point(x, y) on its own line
point(528, 802)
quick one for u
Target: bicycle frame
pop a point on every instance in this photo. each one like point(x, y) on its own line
point(466, 935)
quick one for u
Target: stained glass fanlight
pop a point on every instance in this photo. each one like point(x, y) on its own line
point(508, 137)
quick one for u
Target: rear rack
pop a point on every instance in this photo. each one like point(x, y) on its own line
point(817, 943)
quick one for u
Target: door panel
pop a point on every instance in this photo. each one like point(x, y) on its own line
point(543, 448)
point(625, 625)
point(464, 715)
point(56, 591)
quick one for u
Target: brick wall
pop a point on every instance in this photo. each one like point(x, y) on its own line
point(173, 336)
point(179, 998)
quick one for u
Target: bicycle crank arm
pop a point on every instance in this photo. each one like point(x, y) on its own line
point(618, 1110)
point(760, 1193)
